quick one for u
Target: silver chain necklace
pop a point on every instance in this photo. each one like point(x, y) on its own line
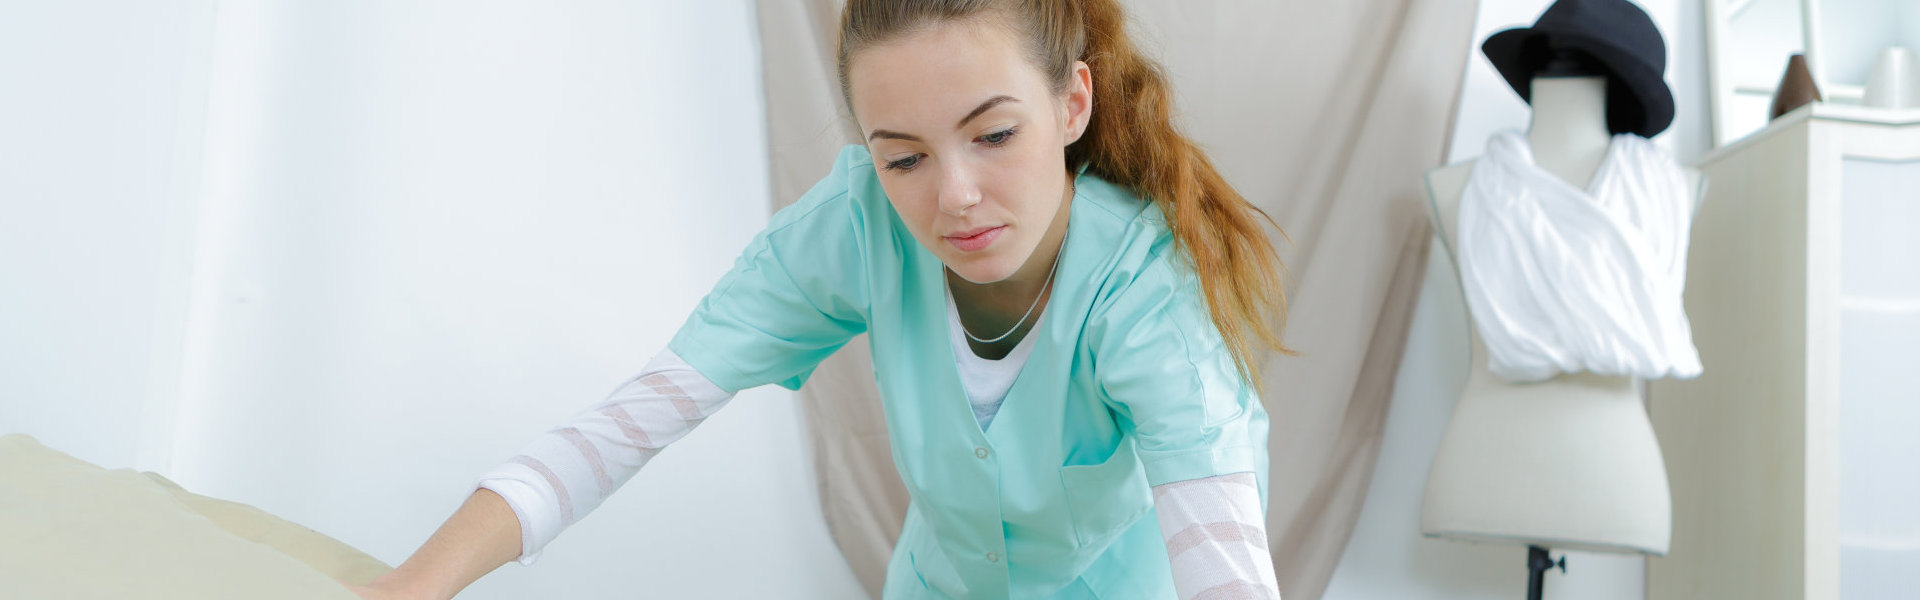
point(1036, 302)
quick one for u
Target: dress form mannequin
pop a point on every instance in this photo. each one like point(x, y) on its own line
point(1570, 462)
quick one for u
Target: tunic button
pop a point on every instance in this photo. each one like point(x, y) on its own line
point(992, 557)
point(980, 452)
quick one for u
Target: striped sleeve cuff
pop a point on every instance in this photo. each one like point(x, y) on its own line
point(565, 473)
point(1215, 532)
point(525, 501)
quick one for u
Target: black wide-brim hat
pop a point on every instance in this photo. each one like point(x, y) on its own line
point(1618, 34)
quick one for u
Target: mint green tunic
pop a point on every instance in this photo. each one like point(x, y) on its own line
point(1129, 386)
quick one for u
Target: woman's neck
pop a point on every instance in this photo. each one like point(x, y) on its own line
point(1569, 134)
point(991, 308)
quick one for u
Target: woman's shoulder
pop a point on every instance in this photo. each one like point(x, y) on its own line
point(841, 205)
point(1115, 202)
point(1128, 223)
point(1142, 264)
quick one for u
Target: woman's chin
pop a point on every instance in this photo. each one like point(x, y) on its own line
point(979, 272)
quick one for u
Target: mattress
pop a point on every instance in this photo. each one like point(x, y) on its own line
point(72, 529)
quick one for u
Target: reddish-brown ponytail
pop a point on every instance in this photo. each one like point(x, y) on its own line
point(1130, 140)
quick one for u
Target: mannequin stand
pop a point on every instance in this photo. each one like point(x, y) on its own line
point(1537, 565)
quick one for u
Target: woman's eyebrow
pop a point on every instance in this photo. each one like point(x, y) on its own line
point(990, 103)
point(984, 107)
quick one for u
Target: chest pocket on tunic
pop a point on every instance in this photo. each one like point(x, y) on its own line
point(1104, 499)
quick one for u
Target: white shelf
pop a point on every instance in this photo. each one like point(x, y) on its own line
point(1827, 111)
point(1881, 305)
point(1882, 543)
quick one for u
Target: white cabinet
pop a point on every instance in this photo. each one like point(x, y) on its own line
point(1794, 459)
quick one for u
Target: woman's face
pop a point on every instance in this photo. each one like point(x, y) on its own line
point(969, 143)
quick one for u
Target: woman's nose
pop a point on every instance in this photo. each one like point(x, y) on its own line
point(958, 192)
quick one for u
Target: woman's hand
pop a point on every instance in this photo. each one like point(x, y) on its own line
point(383, 588)
point(482, 535)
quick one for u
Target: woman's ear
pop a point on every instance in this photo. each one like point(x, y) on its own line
point(1079, 100)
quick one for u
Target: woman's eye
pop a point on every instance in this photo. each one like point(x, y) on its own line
point(995, 139)
point(998, 137)
point(904, 164)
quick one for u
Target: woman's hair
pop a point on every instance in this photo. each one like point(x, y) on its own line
point(1130, 140)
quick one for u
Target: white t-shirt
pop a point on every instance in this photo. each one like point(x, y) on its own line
point(987, 380)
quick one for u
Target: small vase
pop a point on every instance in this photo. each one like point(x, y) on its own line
point(1895, 82)
point(1796, 89)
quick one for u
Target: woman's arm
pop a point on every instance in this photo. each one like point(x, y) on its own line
point(765, 321)
point(560, 477)
point(1216, 537)
point(482, 535)
point(555, 480)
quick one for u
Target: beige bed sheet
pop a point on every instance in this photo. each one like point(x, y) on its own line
point(71, 529)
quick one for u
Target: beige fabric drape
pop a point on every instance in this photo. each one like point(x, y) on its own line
point(1324, 114)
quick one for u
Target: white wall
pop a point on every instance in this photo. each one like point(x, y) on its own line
point(1387, 557)
point(89, 286)
point(1854, 32)
point(390, 243)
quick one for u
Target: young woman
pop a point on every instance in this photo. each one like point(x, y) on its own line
point(1067, 306)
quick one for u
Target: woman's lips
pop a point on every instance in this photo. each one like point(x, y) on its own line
point(976, 241)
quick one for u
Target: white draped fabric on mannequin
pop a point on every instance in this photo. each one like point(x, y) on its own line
point(1562, 279)
point(1324, 114)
